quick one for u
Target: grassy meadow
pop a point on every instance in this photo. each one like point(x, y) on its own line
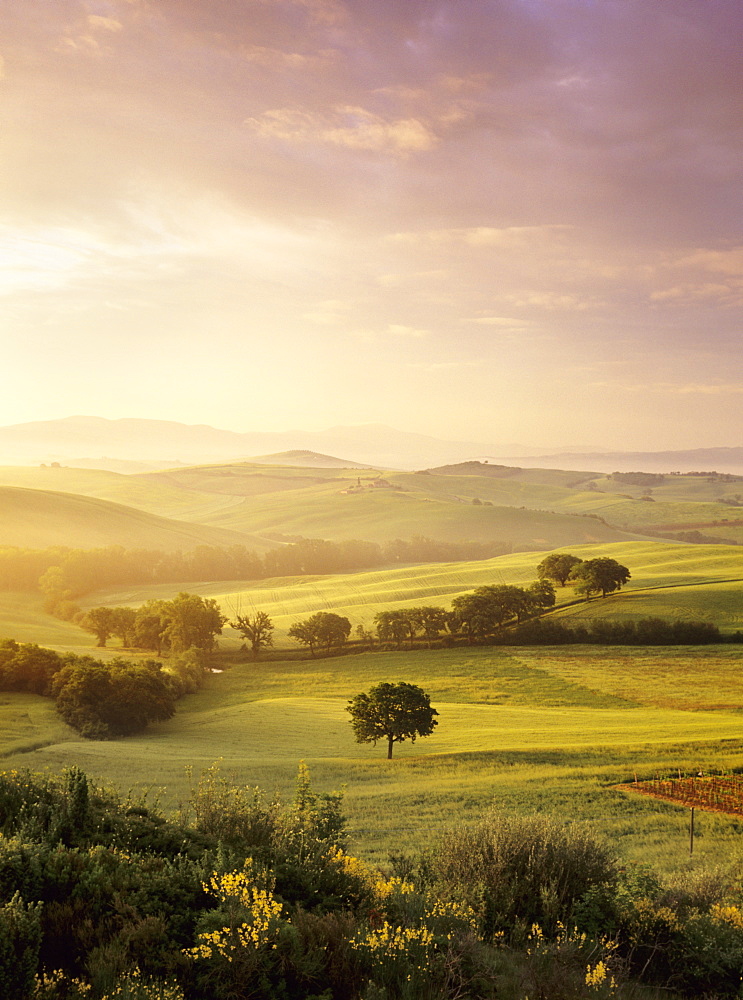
point(525, 730)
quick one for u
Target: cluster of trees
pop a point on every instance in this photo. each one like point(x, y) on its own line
point(100, 700)
point(324, 629)
point(487, 609)
point(474, 616)
point(407, 623)
point(189, 621)
point(186, 622)
point(639, 478)
point(590, 576)
point(101, 898)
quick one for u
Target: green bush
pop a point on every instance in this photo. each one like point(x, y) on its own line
point(517, 871)
point(20, 939)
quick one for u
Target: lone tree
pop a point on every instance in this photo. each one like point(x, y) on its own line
point(395, 712)
point(256, 629)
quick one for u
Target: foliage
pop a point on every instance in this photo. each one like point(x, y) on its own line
point(395, 712)
point(256, 628)
point(321, 629)
point(118, 698)
point(601, 631)
point(192, 622)
point(27, 667)
point(235, 815)
point(186, 622)
point(519, 871)
point(20, 940)
point(557, 566)
point(602, 574)
point(404, 623)
point(485, 611)
point(109, 918)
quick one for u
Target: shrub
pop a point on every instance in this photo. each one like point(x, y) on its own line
point(20, 939)
point(517, 871)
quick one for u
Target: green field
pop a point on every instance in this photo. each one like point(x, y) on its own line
point(527, 730)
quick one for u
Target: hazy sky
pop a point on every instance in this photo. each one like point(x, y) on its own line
point(501, 220)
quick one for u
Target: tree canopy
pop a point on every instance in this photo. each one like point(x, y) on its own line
point(118, 698)
point(557, 566)
point(321, 629)
point(604, 575)
point(394, 712)
point(255, 628)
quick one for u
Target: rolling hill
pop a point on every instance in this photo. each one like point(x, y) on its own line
point(39, 519)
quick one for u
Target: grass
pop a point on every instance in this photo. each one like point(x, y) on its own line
point(526, 730)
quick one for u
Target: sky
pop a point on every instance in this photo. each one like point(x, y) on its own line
point(511, 221)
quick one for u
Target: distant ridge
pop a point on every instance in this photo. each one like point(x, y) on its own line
point(169, 443)
point(728, 460)
point(303, 458)
point(493, 470)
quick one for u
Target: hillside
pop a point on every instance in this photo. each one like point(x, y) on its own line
point(519, 508)
point(337, 504)
point(669, 581)
point(42, 518)
point(301, 458)
point(712, 505)
point(156, 496)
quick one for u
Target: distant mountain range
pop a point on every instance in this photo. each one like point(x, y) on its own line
point(138, 444)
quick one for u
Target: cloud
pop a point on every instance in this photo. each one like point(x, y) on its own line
point(443, 366)
point(347, 126)
point(482, 236)
point(507, 322)
point(725, 261)
point(707, 292)
point(98, 23)
point(674, 389)
point(273, 58)
point(330, 312)
point(552, 301)
point(399, 330)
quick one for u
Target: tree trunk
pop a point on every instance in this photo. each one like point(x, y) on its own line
point(390, 741)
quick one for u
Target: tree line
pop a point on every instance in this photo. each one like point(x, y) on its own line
point(190, 621)
point(64, 574)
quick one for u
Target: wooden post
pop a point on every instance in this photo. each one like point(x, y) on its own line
point(691, 832)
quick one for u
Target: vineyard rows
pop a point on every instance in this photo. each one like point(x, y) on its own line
point(719, 793)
